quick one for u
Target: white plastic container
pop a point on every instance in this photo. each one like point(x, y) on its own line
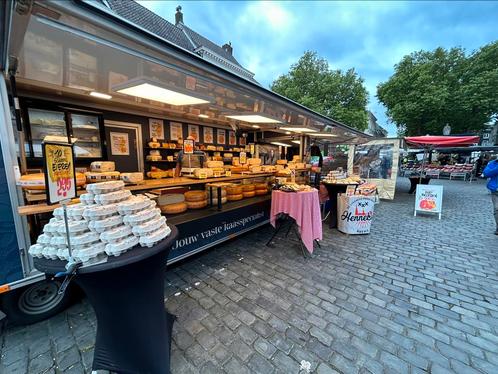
point(87, 253)
point(44, 239)
point(108, 223)
point(156, 236)
point(112, 197)
point(50, 253)
point(53, 227)
point(63, 253)
point(76, 240)
point(142, 216)
point(117, 248)
point(149, 226)
point(36, 250)
point(132, 177)
point(75, 227)
point(105, 187)
point(135, 204)
point(96, 212)
point(87, 198)
point(115, 234)
point(75, 211)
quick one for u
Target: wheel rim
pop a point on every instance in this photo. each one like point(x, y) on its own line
point(40, 298)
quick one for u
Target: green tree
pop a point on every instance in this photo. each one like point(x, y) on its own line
point(430, 89)
point(333, 93)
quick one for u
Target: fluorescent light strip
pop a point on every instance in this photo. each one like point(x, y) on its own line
point(203, 116)
point(255, 126)
point(298, 129)
point(161, 94)
point(253, 118)
point(296, 141)
point(100, 95)
point(280, 144)
point(325, 135)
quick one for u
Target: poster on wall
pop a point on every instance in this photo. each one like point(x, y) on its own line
point(193, 131)
point(376, 162)
point(156, 128)
point(60, 178)
point(232, 140)
point(220, 138)
point(175, 130)
point(242, 140)
point(120, 144)
point(208, 135)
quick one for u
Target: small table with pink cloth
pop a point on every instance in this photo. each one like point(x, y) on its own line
point(304, 209)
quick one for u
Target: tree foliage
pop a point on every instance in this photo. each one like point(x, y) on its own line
point(430, 89)
point(333, 93)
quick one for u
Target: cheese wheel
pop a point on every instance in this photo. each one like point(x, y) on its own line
point(174, 208)
point(168, 199)
point(235, 197)
point(249, 194)
point(196, 204)
point(195, 196)
point(248, 187)
point(215, 192)
point(260, 192)
point(214, 164)
point(208, 171)
point(234, 190)
point(281, 162)
point(37, 181)
point(261, 186)
point(254, 161)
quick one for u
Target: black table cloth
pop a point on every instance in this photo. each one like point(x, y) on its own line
point(334, 189)
point(127, 294)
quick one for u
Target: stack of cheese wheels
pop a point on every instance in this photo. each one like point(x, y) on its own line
point(261, 189)
point(254, 161)
point(248, 190)
point(196, 199)
point(213, 188)
point(234, 193)
point(172, 203)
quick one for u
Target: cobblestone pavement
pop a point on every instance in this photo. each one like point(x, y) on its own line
point(416, 295)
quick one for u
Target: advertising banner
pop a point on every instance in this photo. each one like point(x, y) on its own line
point(60, 177)
point(377, 162)
point(355, 214)
point(429, 199)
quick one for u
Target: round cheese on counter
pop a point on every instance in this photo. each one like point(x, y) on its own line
point(37, 181)
point(248, 187)
point(234, 190)
point(261, 186)
point(196, 204)
point(235, 197)
point(249, 194)
point(100, 166)
point(174, 208)
point(168, 199)
point(254, 161)
point(281, 162)
point(214, 164)
point(195, 196)
point(260, 192)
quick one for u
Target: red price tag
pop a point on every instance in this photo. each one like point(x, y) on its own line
point(63, 185)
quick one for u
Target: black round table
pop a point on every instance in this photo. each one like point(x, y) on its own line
point(334, 189)
point(416, 180)
point(127, 294)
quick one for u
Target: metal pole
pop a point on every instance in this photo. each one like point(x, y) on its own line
point(64, 208)
point(423, 166)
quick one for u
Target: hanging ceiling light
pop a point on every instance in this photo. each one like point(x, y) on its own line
point(297, 129)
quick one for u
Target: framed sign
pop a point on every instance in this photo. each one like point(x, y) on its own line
point(188, 146)
point(242, 140)
point(120, 143)
point(429, 199)
point(193, 130)
point(60, 177)
point(232, 140)
point(156, 128)
point(221, 136)
point(243, 158)
point(208, 135)
point(175, 130)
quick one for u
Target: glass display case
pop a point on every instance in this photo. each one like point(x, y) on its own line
point(86, 130)
point(43, 123)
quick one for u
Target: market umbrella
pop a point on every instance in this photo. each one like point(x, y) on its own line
point(429, 142)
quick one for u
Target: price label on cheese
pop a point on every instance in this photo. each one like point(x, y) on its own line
point(59, 171)
point(242, 158)
point(202, 174)
point(228, 173)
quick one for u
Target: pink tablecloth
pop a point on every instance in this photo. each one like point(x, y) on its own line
point(304, 207)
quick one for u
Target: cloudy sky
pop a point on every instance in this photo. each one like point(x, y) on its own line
point(371, 37)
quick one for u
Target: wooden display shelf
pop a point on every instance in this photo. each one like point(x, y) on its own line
point(152, 161)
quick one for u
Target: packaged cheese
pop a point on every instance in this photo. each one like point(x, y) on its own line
point(203, 171)
point(99, 166)
point(92, 177)
point(153, 158)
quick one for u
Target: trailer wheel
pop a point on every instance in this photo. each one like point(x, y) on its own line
point(36, 302)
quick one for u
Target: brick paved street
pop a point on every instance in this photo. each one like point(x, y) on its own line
point(416, 295)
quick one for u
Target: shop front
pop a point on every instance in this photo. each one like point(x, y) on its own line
point(127, 99)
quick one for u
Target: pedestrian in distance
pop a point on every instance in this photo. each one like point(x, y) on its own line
point(491, 172)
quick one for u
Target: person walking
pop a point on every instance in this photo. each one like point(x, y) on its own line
point(491, 172)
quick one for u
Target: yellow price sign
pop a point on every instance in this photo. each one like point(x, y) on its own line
point(59, 172)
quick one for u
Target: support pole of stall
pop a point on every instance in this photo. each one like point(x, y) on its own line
point(423, 165)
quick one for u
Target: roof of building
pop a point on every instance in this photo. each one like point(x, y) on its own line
point(179, 34)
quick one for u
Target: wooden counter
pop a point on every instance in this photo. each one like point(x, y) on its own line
point(148, 184)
